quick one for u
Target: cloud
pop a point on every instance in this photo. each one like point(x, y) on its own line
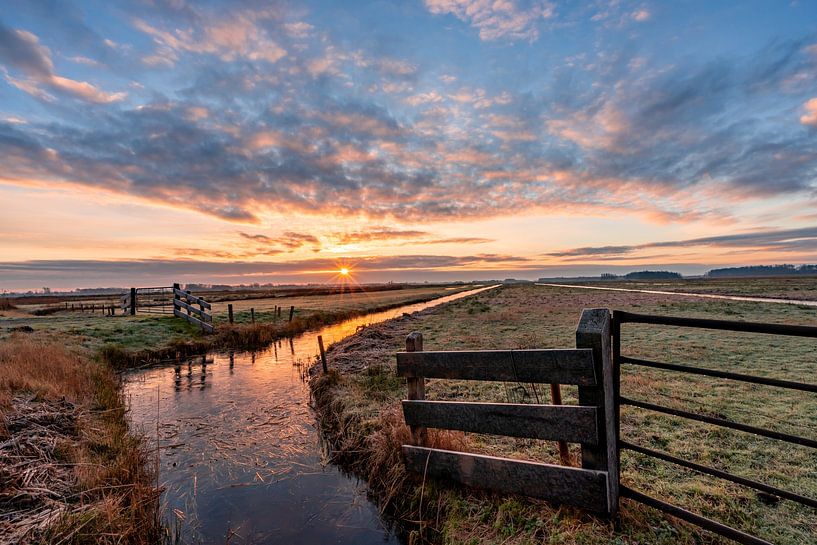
point(498, 19)
point(376, 233)
point(22, 50)
point(457, 240)
point(641, 15)
point(409, 236)
point(230, 37)
point(289, 239)
point(810, 117)
point(784, 240)
point(242, 137)
point(424, 98)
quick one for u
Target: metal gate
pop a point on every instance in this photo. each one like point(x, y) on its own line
point(620, 318)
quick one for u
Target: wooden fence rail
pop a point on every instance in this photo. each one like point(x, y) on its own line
point(594, 486)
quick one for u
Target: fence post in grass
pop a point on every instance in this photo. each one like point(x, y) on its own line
point(323, 355)
point(593, 332)
point(133, 301)
point(556, 399)
point(176, 297)
point(252, 315)
point(291, 312)
point(416, 385)
point(230, 312)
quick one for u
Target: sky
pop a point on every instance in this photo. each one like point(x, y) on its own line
point(236, 142)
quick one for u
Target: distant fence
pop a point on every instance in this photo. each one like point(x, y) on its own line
point(155, 300)
point(193, 309)
point(169, 300)
point(594, 486)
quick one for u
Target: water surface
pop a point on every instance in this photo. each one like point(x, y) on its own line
point(241, 456)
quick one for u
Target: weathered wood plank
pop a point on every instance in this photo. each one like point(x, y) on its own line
point(571, 366)
point(550, 422)
point(193, 320)
point(192, 299)
point(204, 316)
point(569, 485)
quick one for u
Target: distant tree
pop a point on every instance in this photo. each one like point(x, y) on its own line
point(652, 275)
point(763, 270)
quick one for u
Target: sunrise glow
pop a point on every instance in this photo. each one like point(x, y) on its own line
point(427, 140)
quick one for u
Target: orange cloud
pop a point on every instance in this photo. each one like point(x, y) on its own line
point(810, 117)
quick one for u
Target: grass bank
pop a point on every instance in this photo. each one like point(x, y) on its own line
point(70, 471)
point(359, 407)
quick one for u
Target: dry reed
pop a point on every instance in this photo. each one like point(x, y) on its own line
point(70, 471)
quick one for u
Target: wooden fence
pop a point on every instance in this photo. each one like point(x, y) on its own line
point(594, 366)
point(594, 486)
point(193, 309)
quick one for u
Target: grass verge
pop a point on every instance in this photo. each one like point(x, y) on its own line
point(70, 471)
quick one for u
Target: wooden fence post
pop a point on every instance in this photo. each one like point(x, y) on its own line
point(416, 386)
point(252, 315)
point(176, 296)
point(133, 301)
point(230, 312)
point(291, 312)
point(556, 399)
point(593, 332)
point(323, 355)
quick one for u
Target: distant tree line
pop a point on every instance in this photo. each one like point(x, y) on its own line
point(643, 275)
point(764, 270)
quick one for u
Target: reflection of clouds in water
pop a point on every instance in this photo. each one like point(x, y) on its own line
point(240, 450)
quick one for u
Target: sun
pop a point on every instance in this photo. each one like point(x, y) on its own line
point(344, 271)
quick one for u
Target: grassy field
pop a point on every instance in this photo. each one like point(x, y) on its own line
point(344, 303)
point(359, 403)
point(139, 338)
point(800, 288)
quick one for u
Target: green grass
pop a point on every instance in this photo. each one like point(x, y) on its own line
point(544, 317)
point(792, 287)
point(127, 340)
